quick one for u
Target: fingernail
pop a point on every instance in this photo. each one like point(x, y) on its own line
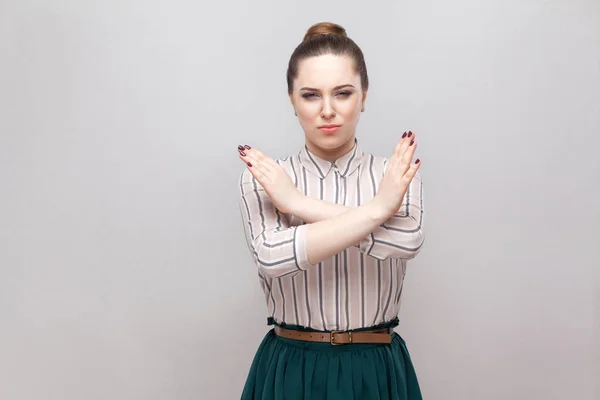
point(409, 133)
point(249, 164)
point(417, 161)
point(240, 147)
point(248, 147)
point(404, 135)
point(242, 153)
point(411, 142)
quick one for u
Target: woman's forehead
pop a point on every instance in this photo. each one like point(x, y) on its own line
point(326, 72)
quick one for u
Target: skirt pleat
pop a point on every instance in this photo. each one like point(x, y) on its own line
point(288, 369)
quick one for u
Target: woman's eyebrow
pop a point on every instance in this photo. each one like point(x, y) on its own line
point(335, 88)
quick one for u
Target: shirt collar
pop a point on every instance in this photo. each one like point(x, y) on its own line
point(346, 164)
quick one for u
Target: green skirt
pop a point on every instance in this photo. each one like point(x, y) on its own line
point(288, 369)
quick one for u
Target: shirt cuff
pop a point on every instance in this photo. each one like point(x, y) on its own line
point(300, 248)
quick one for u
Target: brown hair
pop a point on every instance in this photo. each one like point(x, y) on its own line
point(327, 38)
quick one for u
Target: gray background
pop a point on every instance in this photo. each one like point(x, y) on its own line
point(124, 273)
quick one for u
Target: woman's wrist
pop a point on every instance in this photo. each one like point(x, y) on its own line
point(380, 207)
point(298, 204)
point(311, 210)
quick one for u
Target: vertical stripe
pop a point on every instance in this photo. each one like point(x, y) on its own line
point(315, 164)
point(362, 289)
point(308, 323)
point(374, 193)
point(345, 264)
point(304, 181)
point(320, 267)
point(396, 277)
point(362, 261)
point(347, 294)
point(282, 301)
point(337, 296)
point(378, 291)
point(389, 296)
point(401, 280)
point(350, 160)
point(345, 190)
point(294, 171)
point(393, 289)
point(297, 322)
point(268, 283)
point(306, 298)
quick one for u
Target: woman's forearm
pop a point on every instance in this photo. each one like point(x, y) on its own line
point(330, 236)
point(314, 210)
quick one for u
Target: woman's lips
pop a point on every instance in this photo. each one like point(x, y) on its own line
point(330, 129)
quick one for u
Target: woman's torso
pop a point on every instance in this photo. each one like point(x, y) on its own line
point(350, 289)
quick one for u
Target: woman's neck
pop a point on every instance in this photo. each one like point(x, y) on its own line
point(331, 154)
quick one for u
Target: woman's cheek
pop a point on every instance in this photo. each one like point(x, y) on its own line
point(349, 106)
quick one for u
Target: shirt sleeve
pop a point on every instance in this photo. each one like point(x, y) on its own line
point(277, 248)
point(401, 236)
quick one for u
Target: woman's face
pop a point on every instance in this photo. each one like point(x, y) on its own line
point(327, 91)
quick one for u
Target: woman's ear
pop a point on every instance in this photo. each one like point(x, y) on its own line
point(293, 105)
point(364, 99)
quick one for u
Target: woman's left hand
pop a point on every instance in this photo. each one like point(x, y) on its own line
point(272, 177)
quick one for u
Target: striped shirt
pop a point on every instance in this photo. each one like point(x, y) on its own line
point(360, 286)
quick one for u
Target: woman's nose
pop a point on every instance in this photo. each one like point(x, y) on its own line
point(327, 111)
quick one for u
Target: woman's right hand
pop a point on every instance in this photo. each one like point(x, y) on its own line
point(399, 173)
point(272, 177)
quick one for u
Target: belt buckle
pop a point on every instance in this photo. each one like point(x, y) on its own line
point(333, 343)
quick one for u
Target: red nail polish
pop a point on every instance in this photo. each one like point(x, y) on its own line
point(409, 133)
point(417, 161)
point(242, 153)
point(404, 135)
point(248, 147)
point(249, 164)
point(411, 142)
point(240, 147)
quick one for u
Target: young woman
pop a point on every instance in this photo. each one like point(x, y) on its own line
point(331, 230)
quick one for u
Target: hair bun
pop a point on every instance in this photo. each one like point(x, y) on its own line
point(324, 28)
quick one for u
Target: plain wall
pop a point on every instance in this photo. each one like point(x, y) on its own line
point(124, 273)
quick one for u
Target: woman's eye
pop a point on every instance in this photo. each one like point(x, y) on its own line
point(314, 95)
